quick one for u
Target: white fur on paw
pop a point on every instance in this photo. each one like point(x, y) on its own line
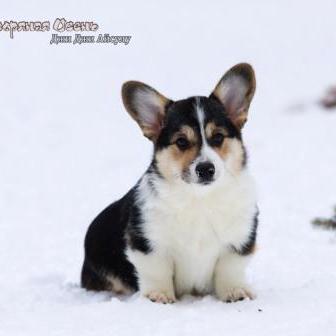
point(160, 297)
point(234, 294)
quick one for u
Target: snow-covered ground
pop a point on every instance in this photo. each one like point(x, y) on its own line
point(67, 149)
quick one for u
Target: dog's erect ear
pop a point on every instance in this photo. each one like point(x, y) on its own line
point(146, 106)
point(235, 91)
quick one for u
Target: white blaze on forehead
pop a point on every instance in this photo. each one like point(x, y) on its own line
point(205, 149)
point(200, 118)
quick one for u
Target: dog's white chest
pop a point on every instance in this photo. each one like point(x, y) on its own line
point(195, 249)
point(195, 230)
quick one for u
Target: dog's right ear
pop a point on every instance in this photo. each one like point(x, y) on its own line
point(146, 106)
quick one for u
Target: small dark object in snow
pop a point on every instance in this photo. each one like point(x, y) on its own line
point(329, 100)
point(260, 310)
point(325, 222)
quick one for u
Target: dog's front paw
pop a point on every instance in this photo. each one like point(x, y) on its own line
point(161, 297)
point(233, 294)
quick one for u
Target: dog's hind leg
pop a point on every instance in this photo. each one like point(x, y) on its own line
point(91, 280)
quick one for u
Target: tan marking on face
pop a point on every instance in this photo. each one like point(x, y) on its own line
point(171, 161)
point(184, 158)
point(232, 152)
point(211, 129)
point(186, 132)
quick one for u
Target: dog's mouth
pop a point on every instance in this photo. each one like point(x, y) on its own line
point(206, 183)
point(197, 180)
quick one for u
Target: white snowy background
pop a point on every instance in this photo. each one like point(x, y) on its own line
point(68, 149)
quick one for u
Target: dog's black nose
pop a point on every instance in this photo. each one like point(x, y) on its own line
point(205, 172)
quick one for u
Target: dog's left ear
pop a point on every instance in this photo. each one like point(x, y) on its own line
point(146, 106)
point(235, 91)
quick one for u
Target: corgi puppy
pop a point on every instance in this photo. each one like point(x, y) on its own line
point(189, 225)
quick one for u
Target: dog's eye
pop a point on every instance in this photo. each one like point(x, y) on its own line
point(182, 143)
point(217, 139)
